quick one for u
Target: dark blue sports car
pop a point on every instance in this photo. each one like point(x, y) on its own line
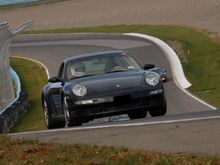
point(161, 72)
point(101, 84)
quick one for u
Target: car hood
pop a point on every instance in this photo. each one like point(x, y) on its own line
point(113, 81)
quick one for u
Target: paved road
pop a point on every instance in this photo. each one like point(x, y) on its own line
point(199, 136)
point(53, 49)
point(80, 13)
point(195, 136)
point(170, 133)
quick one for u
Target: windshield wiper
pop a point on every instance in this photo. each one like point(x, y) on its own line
point(120, 70)
point(81, 76)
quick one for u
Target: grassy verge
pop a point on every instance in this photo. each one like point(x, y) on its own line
point(200, 58)
point(33, 78)
point(31, 152)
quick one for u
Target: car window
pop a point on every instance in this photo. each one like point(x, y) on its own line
point(95, 65)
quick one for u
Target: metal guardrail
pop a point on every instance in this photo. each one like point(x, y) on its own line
point(12, 105)
point(6, 85)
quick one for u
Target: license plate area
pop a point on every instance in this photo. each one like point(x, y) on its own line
point(122, 100)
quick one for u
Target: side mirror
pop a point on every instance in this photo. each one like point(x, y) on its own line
point(55, 80)
point(148, 66)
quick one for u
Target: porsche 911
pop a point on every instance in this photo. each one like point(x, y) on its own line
point(101, 84)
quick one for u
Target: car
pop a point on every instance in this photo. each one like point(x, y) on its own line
point(161, 72)
point(101, 84)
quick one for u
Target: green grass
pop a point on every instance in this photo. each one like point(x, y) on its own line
point(31, 152)
point(201, 65)
point(33, 78)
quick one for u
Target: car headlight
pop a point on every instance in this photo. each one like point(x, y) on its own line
point(79, 90)
point(152, 78)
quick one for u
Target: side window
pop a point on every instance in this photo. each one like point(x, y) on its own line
point(61, 71)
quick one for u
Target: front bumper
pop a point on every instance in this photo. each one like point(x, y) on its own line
point(116, 105)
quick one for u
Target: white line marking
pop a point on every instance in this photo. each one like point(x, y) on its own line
point(198, 99)
point(176, 66)
point(119, 125)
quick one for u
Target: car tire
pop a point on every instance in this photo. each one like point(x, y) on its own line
point(50, 122)
point(158, 111)
point(69, 120)
point(138, 114)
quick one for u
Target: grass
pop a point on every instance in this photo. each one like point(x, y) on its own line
point(33, 78)
point(200, 58)
point(31, 152)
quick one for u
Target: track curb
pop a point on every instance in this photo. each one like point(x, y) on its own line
point(176, 66)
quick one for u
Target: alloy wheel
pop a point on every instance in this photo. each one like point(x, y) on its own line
point(46, 113)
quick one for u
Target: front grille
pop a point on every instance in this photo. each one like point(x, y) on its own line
point(121, 104)
point(122, 100)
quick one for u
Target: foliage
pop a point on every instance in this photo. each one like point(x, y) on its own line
point(31, 152)
point(33, 78)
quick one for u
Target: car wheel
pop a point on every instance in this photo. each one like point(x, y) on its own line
point(138, 114)
point(69, 120)
point(50, 122)
point(158, 111)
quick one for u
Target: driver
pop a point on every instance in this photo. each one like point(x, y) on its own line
point(78, 69)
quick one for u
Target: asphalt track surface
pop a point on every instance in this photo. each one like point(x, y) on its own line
point(172, 133)
point(51, 50)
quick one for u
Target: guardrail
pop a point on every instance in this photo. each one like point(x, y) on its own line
point(13, 113)
point(6, 85)
point(13, 104)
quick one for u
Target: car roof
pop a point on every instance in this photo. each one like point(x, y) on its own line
point(93, 54)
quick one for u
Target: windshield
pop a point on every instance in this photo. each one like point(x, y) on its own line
point(100, 64)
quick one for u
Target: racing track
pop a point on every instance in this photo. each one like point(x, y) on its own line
point(51, 50)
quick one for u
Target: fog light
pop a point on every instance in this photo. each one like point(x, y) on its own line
point(95, 101)
point(155, 91)
point(83, 102)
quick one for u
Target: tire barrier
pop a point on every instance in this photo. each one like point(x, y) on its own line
point(13, 113)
